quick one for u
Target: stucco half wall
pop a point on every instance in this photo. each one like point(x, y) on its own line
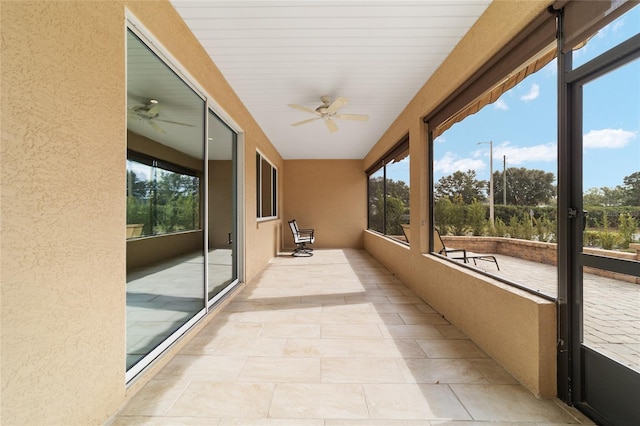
point(515, 328)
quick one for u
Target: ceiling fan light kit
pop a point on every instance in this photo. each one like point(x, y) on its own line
point(327, 112)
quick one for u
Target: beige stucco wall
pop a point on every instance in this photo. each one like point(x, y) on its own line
point(63, 201)
point(514, 328)
point(329, 196)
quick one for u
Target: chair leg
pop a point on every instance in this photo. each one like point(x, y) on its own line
point(302, 251)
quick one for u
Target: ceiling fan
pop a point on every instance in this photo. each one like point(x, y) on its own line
point(327, 112)
point(149, 113)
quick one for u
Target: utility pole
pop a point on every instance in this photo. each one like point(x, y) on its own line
point(491, 216)
point(504, 180)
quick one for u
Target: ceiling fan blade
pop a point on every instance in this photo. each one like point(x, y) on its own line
point(357, 117)
point(309, 120)
point(156, 127)
point(331, 125)
point(304, 108)
point(153, 111)
point(336, 105)
point(175, 122)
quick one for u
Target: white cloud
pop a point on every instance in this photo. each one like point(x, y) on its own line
point(500, 104)
point(449, 163)
point(618, 25)
point(440, 139)
point(608, 138)
point(534, 92)
point(520, 155)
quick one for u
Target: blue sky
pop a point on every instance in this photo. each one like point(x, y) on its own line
point(522, 123)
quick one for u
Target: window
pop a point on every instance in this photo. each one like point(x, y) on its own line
point(494, 171)
point(388, 193)
point(161, 197)
point(267, 188)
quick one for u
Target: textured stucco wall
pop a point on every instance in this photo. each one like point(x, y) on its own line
point(329, 196)
point(63, 211)
point(63, 159)
point(528, 325)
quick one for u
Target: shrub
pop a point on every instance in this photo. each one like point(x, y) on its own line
point(627, 226)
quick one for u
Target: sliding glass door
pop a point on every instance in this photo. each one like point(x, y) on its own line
point(182, 204)
point(222, 215)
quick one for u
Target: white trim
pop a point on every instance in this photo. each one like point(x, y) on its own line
point(259, 189)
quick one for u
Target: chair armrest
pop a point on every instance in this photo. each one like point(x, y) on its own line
point(305, 232)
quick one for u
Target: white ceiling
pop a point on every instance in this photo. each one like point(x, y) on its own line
point(377, 54)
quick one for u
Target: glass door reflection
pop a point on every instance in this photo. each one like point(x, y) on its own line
point(165, 187)
point(222, 231)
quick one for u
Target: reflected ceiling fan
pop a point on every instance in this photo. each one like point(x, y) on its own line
point(327, 112)
point(150, 112)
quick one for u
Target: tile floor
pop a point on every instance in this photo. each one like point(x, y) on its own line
point(330, 340)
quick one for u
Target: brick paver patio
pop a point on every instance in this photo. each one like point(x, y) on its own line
point(611, 307)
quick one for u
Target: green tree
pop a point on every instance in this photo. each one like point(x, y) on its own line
point(462, 185)
point(376, 207)
point(442, 213)
point(525, 187)
point(627, 226)
point(631, 189)
point(477, 217)
point(604, 196)
point(457, 221)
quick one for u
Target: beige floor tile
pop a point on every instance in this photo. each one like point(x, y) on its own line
point(164, 421)
point(208, 367)
point(424, 308)
point(222, 328)
point(451, 332)
point(339, 348)
point(346, 331)
point(495, 374)
point(440, 371)
point(413, 401)
point(432, 319)
point(211, 399)
point(155, 399)
point(259, 316)
point(279, 370)
point(359, 318)
point(360, 370)
point(376, 348)
point(366, 298)
point(405, 299)
point(349, 309)
point(397, 308)
point(271, 422)
point(324, 299)
point(324, 401)
point(451, 349)
point(262, 346)
point(509, 403)
point(294, 330)
point(375, 422)
point(411, 331)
